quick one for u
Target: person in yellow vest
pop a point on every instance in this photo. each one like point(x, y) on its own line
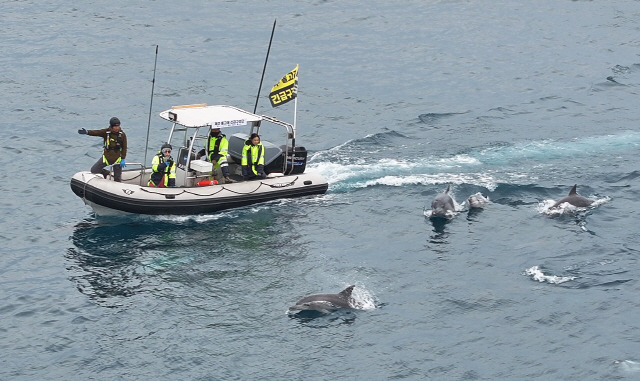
point(253, 159)
point(115, 149)
point(216, 148)
point(164, 168)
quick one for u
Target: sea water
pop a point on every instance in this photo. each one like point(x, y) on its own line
point(397, 101)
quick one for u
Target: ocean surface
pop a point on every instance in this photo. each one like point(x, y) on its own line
point(397, 101)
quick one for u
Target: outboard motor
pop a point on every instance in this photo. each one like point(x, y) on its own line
point(297, 162)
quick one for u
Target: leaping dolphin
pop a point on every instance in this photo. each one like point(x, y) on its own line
point(443, 205)
point(325, 303)
point(574, 199)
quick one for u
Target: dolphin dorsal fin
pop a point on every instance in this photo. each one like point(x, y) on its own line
point(573, 190)
point(447, 191)
point(346, 293)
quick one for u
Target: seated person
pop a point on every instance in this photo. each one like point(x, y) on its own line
point(164, 169)
point(253, 159)
point(216, 148)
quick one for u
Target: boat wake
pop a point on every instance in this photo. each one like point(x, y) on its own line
point(398, 173)
point(552, 150)
point(485, 166)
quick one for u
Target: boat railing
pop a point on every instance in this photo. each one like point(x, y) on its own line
point(128, 177)
point(289, 143)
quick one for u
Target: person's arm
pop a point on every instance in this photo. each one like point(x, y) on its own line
point(245, 159)
point(102, 133)
point(224, 147)
point(157, 165)
point(261, 158)
point(123, 149)
point(171, 172)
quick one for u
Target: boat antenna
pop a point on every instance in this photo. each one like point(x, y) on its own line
point(153, 83)
point(265, 66)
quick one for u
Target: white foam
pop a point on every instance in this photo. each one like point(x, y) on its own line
point(200, 218)
point(449, 214)
point(363, 299)
point(600, 201)
point(357, 176)
point(536, 274)
point(544, 207)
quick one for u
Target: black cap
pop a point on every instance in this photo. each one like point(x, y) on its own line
point(114, 122)
point(165, 145)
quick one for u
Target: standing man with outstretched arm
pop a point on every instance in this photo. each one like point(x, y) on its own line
point(115, 149)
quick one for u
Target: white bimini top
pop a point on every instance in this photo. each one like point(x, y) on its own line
point(201, 115)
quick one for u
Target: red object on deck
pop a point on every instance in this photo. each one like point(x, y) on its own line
point(206, 183)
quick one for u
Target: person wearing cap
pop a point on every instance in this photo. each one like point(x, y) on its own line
point(164, 168)
point(253, 159)
point(115, 149)
point(216, 149)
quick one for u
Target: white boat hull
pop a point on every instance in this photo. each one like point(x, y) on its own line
point(108, 197)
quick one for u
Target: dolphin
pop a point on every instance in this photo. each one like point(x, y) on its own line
point(477, 200)
point(574, 199)
point(325, 303)
point(442, 205)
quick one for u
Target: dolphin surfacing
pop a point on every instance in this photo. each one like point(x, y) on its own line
point(443, 206)
point(325, 303)
point(477, 200)
point(574, 199)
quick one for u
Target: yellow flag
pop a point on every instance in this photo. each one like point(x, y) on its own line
point(286, 89)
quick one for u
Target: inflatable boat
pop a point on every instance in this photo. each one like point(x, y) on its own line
point(284, 165)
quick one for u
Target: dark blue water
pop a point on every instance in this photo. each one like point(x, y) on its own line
point(397, 101)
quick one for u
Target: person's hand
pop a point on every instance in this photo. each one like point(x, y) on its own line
point(122, 163)
point(82, 131)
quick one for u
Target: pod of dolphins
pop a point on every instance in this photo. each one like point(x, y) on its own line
point(442, 206)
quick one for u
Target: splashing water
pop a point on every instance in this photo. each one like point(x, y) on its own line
point(545, 207)
point(536, 274)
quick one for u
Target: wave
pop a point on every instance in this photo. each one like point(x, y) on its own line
point(434, 117)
